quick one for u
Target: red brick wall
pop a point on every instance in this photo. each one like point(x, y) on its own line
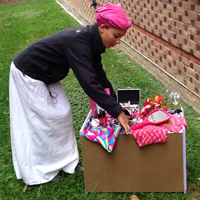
point(164, 39)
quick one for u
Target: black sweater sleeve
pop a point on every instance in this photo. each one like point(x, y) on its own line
point(92, 79)
point(101, 75)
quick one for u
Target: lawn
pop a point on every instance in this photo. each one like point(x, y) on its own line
point(24, 23)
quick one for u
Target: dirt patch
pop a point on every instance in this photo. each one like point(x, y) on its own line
point(5, 2)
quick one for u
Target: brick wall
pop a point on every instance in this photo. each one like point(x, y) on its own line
point(4, 2)
point(164, 39)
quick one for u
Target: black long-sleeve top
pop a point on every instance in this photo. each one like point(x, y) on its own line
point(80, 49)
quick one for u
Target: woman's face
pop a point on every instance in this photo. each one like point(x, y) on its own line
point(110, 36)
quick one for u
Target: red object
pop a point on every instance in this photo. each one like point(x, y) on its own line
point(160, 116)
point(150, 105)
point(104, 119)
point(157, 134)
point(158, 98)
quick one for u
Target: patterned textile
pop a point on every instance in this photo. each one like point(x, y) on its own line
point(158, 133)
point(106, 136)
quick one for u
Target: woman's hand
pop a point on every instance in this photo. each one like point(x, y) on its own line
point(124, 122)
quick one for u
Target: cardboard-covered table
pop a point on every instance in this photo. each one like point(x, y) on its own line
point(159, 167)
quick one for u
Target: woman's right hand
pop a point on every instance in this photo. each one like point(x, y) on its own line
point(124, 122)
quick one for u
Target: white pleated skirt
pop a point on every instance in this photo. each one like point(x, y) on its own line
point(42, 135)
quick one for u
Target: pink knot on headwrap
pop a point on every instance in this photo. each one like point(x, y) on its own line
point(112, 16)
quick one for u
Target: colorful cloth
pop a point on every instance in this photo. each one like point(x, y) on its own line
point(112, 16)
point(158, 133)
point(106, 136)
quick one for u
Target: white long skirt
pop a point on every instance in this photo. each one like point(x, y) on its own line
point(42, 135)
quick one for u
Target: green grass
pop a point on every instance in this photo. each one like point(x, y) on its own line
point(25, 23)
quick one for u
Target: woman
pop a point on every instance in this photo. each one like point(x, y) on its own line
point(42, 135)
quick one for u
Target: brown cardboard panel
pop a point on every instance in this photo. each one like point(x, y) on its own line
point(130, 168)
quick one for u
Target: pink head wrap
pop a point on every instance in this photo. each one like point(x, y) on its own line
point(112, 16)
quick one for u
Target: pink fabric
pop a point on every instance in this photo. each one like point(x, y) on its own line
point(104, 135)
point(157, 134)
point(112, 16)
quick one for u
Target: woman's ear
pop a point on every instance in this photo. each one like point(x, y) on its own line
point(102, 27)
